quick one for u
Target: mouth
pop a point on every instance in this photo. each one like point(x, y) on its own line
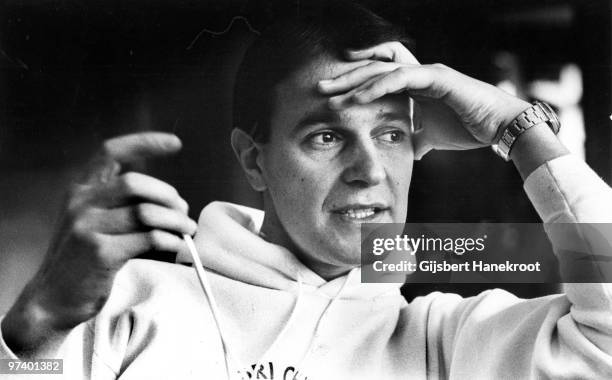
point(360, 213)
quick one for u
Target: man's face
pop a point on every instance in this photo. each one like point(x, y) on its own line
point(327, 171)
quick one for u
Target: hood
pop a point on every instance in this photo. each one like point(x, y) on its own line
point(228, 243)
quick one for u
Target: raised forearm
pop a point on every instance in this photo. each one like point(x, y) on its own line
point(534, 147)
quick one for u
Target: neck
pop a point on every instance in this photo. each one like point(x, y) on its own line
point(273, 231)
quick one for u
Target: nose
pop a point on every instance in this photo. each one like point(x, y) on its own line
point(365, 167)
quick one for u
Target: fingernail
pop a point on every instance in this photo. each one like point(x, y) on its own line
point(351, 53)
point(324, 83)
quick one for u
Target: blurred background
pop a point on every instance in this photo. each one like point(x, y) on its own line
point(73, 73)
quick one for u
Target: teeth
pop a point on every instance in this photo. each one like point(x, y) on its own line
point(360, 213)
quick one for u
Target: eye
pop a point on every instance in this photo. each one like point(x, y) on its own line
point(325, 138)
point(394, 136)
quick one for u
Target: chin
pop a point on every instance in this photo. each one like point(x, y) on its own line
point(346, 252)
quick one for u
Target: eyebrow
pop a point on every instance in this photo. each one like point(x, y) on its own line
point(331, 117)
point(393, 116)
point(325, 116)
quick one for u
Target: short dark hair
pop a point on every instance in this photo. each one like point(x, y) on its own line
point(313, 29)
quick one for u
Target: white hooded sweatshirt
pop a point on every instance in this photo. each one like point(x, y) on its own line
point(279, 320)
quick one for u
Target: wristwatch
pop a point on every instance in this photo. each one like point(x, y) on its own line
point(538, 113)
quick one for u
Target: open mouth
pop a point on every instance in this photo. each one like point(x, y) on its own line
point(360, 213)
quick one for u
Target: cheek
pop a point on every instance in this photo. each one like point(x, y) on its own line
point(402, 176)
point(399, 166)
point(399, 169)
point(293, 180)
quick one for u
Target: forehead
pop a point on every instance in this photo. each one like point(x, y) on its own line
point(297, 96)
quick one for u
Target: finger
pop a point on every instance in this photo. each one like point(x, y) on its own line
point(129, 149)
point(141, 217)
point(417, 80)
point(135, 187)
point(426, 81)
point(126, 148)
point(126, 246)
point(394, 82)
point(392, 51)
point(355, 77)
point(347, 99)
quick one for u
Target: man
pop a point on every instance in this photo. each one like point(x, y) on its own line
point(325, 134)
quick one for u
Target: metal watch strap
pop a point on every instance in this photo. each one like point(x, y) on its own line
point(537, 114)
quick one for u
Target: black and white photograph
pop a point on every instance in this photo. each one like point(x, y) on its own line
point(305, 190)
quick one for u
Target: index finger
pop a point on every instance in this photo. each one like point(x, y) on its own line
point(121, 151)
point(393, 51)
point(130, 148)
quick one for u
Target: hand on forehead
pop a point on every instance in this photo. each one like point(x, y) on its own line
point(301, 91)
point(299, 105)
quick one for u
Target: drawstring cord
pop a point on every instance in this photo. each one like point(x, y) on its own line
point(215, 311)
point(211, 299)
point(319, 321)
point(287, 324)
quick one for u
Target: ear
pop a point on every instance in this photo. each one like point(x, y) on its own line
point(249, 156)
